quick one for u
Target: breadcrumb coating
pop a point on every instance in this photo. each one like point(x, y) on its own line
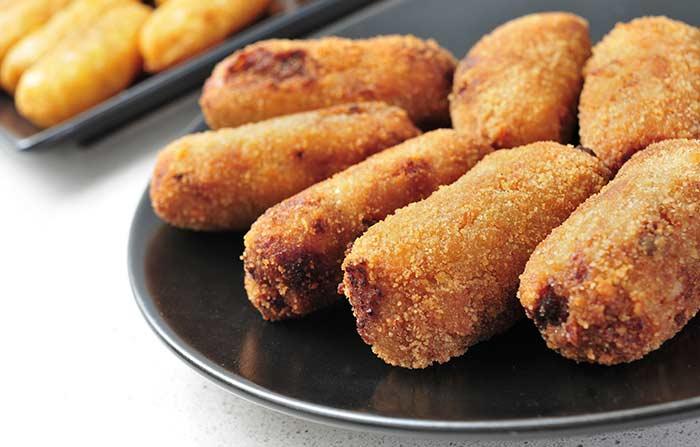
point(642, 85)
point(294, 251)
point(520, 83)
point(278, 77)
point(441, 275)
point(622, 274)
point(225, 179)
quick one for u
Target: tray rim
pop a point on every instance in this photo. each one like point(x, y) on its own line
point(584, 424)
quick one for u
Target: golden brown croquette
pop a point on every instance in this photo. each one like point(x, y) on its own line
point(642, 85)
point(441, 275)
point(520, 84)
point(225, 179)
point(278, 77)
point(622, 274)
point(294, 251)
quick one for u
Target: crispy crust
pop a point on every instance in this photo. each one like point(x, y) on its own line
point(441, 274)
point(225, 179)
point(278, 77)
point(642, 86)
point(294, 251)
point(520, 84)
point(622, 274)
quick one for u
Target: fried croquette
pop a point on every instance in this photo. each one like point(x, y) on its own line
point(84, 69)
point(294, 251)
point(642, 85)
point(520, 84)
point(180, 29)
point(225, 179)
point(23, 17)
point(622, 274)
point(278, 77)
point(441, 275)
point(76, 17)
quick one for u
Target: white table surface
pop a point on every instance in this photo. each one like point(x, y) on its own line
point(81, 367)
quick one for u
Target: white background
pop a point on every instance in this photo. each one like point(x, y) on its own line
point(79, 364)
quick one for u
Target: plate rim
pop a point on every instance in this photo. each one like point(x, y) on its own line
point(244, 388)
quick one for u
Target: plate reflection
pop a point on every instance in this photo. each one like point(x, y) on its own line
point(196, 283)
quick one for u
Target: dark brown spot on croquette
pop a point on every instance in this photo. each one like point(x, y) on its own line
point(277, 66)
point(412, 167)
point(585, 149)
point(302, 273)
point(354, 108)
point(551, 309)
point(449, 77)
point(319, 226)
point(468, 90)
point(367, 222)
point(666, 217)
point(307, 273)
point(299, 267)
point(680, 318)
point(363, 295)
point(417, 172)
point(647, 242)
point(275, 302)
point(579, 267)
point(250, 271)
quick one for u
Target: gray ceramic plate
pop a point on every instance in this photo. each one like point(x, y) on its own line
point(190, 288)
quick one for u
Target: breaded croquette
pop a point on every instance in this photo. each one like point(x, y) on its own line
point(23, 17)
point(294, 251)
point(84, 69)
point(622, 274)
point(77, 17)
point(441, 275)
point(520, 84)
point(278, 77)
point(642, 85)
point(225, 179)
point(180, 29)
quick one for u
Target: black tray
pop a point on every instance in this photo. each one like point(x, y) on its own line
point(155, 90)
point(189, 287)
